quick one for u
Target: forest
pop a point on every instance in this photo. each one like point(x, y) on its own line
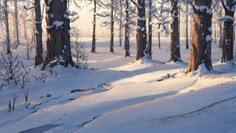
point(117, 66)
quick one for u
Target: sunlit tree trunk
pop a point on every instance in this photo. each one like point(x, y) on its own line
point(16, 12)
point(25, 25)
point(201, 36)
point(220, 30)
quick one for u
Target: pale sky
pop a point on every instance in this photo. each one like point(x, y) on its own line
point(84, 23)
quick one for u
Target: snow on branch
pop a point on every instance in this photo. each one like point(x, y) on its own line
point(226, 18)
point(71, 15)
point(225, 6)
point(204, 9)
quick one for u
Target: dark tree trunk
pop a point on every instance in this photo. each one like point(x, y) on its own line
point(175, 41)
point(16, 22)
point(7, 26)
point(186, 27)
point(112, 28)
point(120, 26)
point(58, 37)
point(141, 35)
point(38, 34)
point(149, 49)
point(159, 37)
point(93, 50)
point(66, 43)
point(228, 32)
point(201, 36)
point(127, 29)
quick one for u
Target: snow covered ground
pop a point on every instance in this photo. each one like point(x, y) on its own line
point(118, 94)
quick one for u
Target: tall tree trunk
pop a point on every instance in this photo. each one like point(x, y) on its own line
point(1, 16)
point(66, 43)
point(141, 35)
point(127, 29)
point(112, 28)
point(34, 28)
point(220, 29)
point(93, 50)
point(38, 34)
point(186, 26)
point(159, 37)
point(58, 38)
point(149, 49)
point(175, 41)
point(201, 36)
point(7, 26)
point(228, 36)
point(215, 33)
point(24, 25)
point(121, 20)
point(16, 22)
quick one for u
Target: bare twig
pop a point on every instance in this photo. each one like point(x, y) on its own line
point(13, 103)
point(27, 103)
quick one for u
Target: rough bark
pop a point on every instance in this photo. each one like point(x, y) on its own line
point(112, 28)
point(93, 50)
point(201, 36)
point(38, 34)
point(6, 13)
point(175, 41)
point(141, 35)
point(127, 29)
point(228, 32)
point(66, 43)
point(149, 48)
point(58, 37)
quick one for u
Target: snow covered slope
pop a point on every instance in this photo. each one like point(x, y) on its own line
point(121, 95)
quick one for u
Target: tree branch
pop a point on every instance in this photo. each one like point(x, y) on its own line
point(224, 6)
point(29, 8)
point(234, 3)
point(191, 3)
point(135, 3)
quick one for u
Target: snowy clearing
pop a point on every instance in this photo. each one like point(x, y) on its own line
point(117, 94)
